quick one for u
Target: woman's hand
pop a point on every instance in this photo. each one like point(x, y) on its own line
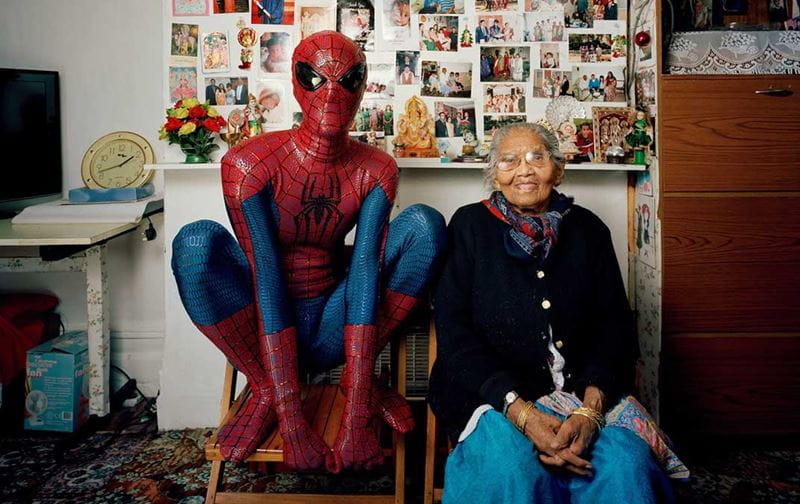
point(542, 430)
point(572, 440)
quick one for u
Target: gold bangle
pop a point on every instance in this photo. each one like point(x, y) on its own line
point(523, 416)
point(591, 414)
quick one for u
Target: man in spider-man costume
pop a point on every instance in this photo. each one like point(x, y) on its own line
point(284, 297)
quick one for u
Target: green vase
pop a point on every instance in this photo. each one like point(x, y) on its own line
point(196, 158)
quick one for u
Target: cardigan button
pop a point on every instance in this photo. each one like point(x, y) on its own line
point(546, 304)
point(540, 274)
point(559, 344)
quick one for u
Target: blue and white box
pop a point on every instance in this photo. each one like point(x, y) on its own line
point(57, 387)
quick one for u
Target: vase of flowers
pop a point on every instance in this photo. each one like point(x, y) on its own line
point(192, 125)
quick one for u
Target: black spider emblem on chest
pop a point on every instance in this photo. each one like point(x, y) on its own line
point(320, 215)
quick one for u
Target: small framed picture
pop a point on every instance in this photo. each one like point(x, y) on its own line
point(356, 20)
point(610, 125)
point(182, 83)
point(230, 6)
point(216, 56)
point(276, 52)
point(184, 40)
point(272, 12)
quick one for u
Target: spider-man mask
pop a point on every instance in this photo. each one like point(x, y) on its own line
point(329, 75)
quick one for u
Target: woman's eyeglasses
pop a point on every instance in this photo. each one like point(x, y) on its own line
point(537, 159)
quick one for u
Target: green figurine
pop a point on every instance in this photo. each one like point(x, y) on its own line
point(638, 138)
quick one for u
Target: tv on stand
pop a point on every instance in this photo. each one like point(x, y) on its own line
point(30, 139)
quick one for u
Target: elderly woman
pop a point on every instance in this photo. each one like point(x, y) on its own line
point(536, 344)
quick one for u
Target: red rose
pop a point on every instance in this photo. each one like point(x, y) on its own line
point(196, 122)
point(211, 125)
point(173, 123)
point(197, 111)
point(178, 104)
point(221, 121)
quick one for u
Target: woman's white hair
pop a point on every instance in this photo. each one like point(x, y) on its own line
point(548, 139)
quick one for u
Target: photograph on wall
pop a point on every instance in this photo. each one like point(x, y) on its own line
point(276, 52)
point(273, 104)
point(315, 19)
point(230, 6)
point(505, 64)
point(216, 57)
point(503, 99)
point(543, 6)
point(226, 90)
point(644, 182)
point(375, 139)
point(502, 28)
point(407, 65)
point(454, 118)
point(643, 228)
point(596, 47)
point(272, 12)
point(550, 83)
point(437, 6)
point(544, 27)
point(610, 126)
point(376, 116)
point(584, 13)
point(599, 83)
point(584, 140)
point(447, 79)
point(356, 19)
point(416, 135)
point(466, 38)
point(645, 87)
point(492, 123)
point(189, 7)
point(182, 83)
point(380, 80)
point(438, 33)
point(396, 22)
point(496, 5)
point(184, 40)
point(550, 55)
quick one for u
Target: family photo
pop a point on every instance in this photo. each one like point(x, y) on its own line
point(499, 29)
point(447, 79)
point(503, 99)
point(376, 116)
point(599, 83)
point(226, 90)
point(438, 33)
point(505, 64)
point(548, 27)
point(454, 119)
point(596, 47)
point(550, 83)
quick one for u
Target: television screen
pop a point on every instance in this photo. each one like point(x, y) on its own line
point(30, 136)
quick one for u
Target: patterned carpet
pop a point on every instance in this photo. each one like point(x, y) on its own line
point(135, 464)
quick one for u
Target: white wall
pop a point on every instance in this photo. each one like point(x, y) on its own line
point(107, 53)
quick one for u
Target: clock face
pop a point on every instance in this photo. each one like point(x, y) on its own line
point(117, 160)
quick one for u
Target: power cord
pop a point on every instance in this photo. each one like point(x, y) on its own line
point(149, 234)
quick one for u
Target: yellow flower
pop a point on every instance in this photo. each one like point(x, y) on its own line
point(186, 129)
point(190, 102)
point(162, 134)
point(212, 112)
point(182, 113)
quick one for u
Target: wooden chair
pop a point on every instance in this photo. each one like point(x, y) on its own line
point(431, 492)
point(323, 406)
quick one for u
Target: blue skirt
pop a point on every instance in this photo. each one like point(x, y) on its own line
point(498, 464)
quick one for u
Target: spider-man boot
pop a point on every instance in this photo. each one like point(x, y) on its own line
point(357, 445)
point(215, 285)
point(303, 448)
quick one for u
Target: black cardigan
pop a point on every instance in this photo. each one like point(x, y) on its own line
point(491, 319)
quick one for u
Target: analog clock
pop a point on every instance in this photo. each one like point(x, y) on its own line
point(117, 160)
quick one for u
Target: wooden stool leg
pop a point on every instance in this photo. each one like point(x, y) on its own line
point(430, 431)
point(217, 467)
point(400, 439)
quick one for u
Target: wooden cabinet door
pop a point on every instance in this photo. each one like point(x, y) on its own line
point(728, 133)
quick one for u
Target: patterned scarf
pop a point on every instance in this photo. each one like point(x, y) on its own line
point(534, 235)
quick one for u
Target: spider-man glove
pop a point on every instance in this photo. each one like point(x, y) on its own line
point(357, 443)
point(303, 448)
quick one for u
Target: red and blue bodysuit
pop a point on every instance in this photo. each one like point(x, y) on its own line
point(283, 295)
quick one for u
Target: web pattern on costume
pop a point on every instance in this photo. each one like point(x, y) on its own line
point(280, 294)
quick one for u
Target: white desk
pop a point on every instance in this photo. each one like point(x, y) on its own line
point(26, 248)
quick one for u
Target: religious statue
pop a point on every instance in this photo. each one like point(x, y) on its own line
point(282, 298)
point(416, 136)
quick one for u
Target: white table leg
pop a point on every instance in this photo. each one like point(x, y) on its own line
point(97, 298)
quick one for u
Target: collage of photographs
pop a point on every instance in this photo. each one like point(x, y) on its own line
point(443, 75)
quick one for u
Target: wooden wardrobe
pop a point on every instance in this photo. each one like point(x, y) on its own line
point(730, 210)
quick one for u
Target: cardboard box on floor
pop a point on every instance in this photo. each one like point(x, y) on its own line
point(57, 387)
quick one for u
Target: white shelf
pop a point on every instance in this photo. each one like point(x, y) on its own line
point(431, 163)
